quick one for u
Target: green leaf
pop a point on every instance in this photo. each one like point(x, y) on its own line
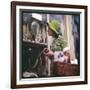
point(58, 44)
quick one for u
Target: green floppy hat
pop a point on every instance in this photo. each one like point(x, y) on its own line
point(54, 26)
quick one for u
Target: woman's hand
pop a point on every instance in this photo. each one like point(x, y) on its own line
point(48, 52)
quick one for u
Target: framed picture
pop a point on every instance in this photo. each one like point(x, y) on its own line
point(48, 44)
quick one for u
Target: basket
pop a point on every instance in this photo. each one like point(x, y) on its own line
point(66, 69)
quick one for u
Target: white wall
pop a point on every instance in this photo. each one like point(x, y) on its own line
point(5, 44)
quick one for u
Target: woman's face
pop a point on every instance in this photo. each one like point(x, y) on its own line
point(50, 32)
